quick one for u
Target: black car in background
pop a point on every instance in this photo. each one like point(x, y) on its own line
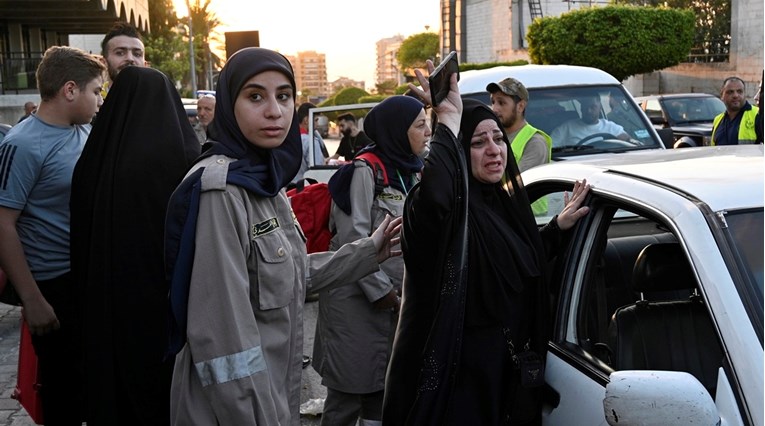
point(689, 115)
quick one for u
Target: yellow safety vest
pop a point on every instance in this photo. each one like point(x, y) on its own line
point(746, 133)
point(518, 144)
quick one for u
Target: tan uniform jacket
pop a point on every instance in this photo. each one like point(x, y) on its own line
point(241, 364)
point(353, 339)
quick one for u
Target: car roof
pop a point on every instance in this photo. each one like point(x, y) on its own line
point(535, 76)
point(723, 177)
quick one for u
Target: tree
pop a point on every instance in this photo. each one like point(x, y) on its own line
point(416, 49)
point(712, 31)
point(164, 43)
point(621, 40)
point(386, 87)
point(204, 23)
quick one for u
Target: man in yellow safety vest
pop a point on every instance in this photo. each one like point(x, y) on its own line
point(735, 126)
point(531, 147)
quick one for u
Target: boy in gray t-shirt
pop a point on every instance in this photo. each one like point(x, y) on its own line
point(37, 159)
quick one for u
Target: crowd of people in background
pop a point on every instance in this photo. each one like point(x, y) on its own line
point(169, 283)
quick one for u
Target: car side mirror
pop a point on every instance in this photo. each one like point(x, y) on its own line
point(639, 397)
point(657, 119)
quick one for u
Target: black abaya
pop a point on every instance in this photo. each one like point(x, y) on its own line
point(137, 153)
point(455, 307)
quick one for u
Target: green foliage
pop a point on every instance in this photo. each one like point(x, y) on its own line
point(372, 98)
point(400, 90)
point(161, 54)
point(346, 96)
point(204, 23)
point(164, 42)
point(386, 87)
point(416, 49)
point(621, 40)
point(349, 95)
point(712, 27)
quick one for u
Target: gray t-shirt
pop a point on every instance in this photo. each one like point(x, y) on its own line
point(36, 165)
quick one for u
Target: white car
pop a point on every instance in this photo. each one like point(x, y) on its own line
point(555, 95)
point(659, 290)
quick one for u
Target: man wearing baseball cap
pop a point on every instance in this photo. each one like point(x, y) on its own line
point(531, 147)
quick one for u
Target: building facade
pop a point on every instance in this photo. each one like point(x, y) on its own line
point(387, 68)
point(343, 82)
point(310, 74)
point(29, 28)
point(495, 31)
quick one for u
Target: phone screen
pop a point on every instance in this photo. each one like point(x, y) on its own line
point(440, 78)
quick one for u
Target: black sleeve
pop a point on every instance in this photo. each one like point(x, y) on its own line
point(433, 198)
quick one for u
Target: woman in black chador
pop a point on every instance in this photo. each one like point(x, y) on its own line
point(138, 151)
point(470, 344)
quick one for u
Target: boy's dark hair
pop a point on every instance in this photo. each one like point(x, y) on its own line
point(120, 28)
point(302, 111)
point(347, 117)
point(63, 63)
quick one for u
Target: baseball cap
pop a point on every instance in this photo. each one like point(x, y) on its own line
point(510, 87)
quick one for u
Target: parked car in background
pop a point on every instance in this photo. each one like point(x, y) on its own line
point(659, 316)
point(190, 105)
point(555, 94)
point(689, 115)
point(4, 128)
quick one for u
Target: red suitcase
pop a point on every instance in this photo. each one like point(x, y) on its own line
point(27, 385)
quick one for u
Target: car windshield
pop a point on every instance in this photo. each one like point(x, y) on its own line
point(587, 120)
point(693, 109)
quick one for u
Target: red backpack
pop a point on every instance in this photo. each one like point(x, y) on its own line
point(312, 205)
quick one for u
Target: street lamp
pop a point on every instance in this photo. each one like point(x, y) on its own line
point(191, 54)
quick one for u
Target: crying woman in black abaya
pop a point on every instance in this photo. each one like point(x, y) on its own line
point(478, 301)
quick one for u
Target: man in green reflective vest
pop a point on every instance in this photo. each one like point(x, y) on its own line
point(735, 126)
point(531, 147)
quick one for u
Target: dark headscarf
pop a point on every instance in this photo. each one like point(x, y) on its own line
point(387, 125)
point(499, 222)
point(264, 172)
point(138, 151)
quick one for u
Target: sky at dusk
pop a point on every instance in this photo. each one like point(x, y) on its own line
point(344, 30)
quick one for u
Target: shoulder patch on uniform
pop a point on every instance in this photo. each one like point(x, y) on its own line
point(214, 175)
point(391, 196)
point(265, 227)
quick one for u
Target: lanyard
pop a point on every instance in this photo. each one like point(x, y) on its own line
point(400, 179)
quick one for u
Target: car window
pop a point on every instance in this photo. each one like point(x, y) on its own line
point(550, 107)
point(746, 234)
point(613, 315)
point(693, 109)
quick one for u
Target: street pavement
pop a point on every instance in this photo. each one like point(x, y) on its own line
point(12, 414)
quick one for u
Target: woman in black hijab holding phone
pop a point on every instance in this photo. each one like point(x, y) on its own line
point(472, 333)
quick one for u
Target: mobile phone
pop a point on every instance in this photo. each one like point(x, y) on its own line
point(440, 78)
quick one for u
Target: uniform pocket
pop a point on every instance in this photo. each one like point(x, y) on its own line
point(276, 270)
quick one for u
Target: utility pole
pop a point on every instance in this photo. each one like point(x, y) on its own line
point(191, 54)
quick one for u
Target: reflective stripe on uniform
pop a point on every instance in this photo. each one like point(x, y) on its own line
point(231, 367)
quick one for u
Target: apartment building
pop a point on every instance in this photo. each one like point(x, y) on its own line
point(387, 65)
point(310, 74)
